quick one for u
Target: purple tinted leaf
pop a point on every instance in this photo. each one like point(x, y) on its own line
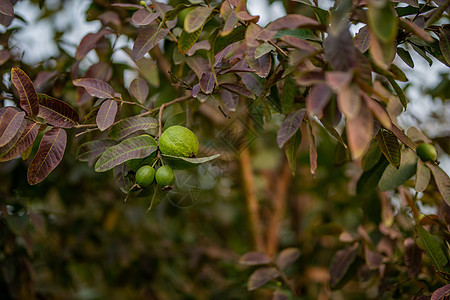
point(135, 147)
point(203, 45)
point(221, 55)
point(6, 8)
point(195, 90)
point(338, 80)
point(95, 87)
point(143, 17)
point(261, 276)
point(373, 259)
point(27, 93)
point(340, 51)
point(207, 82)
point(359, 132)
point(413, 257)
point(237, 89)
point(10, 122)
point(106, 114)
point(441, 293)
point(289, 126)
point(402, 137)
point(298, 43)
point(230, 100)
point(57, 112)
point(287, 257)
point(126, 5)
point(4, 56)
point(198, 64)
point(318, 98)
point(196, 18)
point(124, 182)
point(378, 111)
point(49, 155)
point(91, 150)
point(43, 78)
point(89, 42)
point(139, 89)
point(423, 176)
point(6, 20)
point(294, 21)
point(146, 40)
point(362, 40)
point(277, 295)
point(349, 101)
point(230, 22)
point(6, 148)
point(101, 71)
point(254, 258)
point(25, 140)
point(130, 125)
point(342, 261)
point(442, 181)
point(261, 65)
point(255, 33)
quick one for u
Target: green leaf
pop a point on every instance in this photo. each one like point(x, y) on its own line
point(187, 40)
point(238, 34)
point(372, 156)
point(405, 56)
point(368, 181)
point(382, 20)
point(182, 163)
point(393, 177)
point(400, 94)
point(172, 14)
point(135, 147)
point(263, 49)
point(292, 149)
point(423, 176)
point(196, 18)
point(433, 248)
point(444, 42)
point(304, 34)
point(389, 146)
point(288, 94)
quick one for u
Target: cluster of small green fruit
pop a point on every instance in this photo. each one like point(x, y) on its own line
point(176, 141)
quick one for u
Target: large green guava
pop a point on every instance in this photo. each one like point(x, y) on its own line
point(178, 141)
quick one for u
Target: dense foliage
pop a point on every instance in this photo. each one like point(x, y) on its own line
point(304, 186)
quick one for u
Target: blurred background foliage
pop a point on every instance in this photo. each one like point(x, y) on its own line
point(74, 237)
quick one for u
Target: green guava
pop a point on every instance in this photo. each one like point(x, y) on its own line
point(145, 176)
point(165, 176)
point(426, 152)
point(178, 141)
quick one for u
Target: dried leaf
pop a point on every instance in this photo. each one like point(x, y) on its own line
point(27, 93)
point(106, 114)
point(49, 155)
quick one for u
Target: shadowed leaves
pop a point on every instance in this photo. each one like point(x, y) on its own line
point(237, 89)
point(139, 89)
point(57, 112)
point(135, 147)
point(146, 40)
point(25, 140)
point(342, 261)
point(89, 42)
point(91, 150)
point(254, 258)
point(27, 93)
point(423, 176)
point(442, 181)
point(207, 82)
point(130, 125)
point(290, 126)
point(318, 98)
point(433, 248)
point(187, 40)
point(95, 87)
point(10, 122)
point(389, 147)
point(123, 181)
point(49, 155)
point(106, 114)
point(393, 177)
point(230, 100)
point(340, 51)
point(8, 146)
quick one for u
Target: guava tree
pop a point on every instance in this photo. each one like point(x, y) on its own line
point(297, 118)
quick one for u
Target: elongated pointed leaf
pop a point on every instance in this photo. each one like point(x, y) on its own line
point(130, 125)
point(89, 42)
point(405, 56)
point(312, 150)
point(442, 181)
point(196, 18)
point(135, 147)
point(49, 155)
point(254, 258)
point(139, 89)
point(93, 149)
point(287, 257)
point(123, 181)
point(444, 42)
point(382, 20)
point(10, 122)
point(182, 163)
point(237, 89)
point(261, 276)
point(207, 82)
point(359, 132)
point(95, 87)
point(389, 147)
point(402, 137)
point(423, 176)
point(433, 249)
point(291, 150)
point(8, 146)
point(378, 111)
point(146, 40)
point(27, 93)
point(187, 40)
point(393, 177)
point(441, 293)
point(144, 17)
point(57, 112)
point(230, 100)
point(25, 140)
point(106, 114)
point(318, 98)
point(342, 261)
point(290, 126)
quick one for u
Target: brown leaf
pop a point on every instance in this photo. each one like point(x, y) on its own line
point(89, 42)
point(261, 276)
point(254, 258)
point(359, 132)
point(49, 155)
point(342, 261)
point(27, 93)
point(139, 89)
point(10, 122)
point(287, 257)
point(25, 140)
point(361, 40)
point(294, 21)
point(378, 111)
point(237, 89)
point(6, 148)
point(144, 17)
point(318, 98)
point(349, 101)
point(106, 114)
point(146, 40)
point(57, 112)
point(95, 87)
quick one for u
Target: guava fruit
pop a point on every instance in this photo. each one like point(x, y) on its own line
point(426, 152)
point(178, 141)
point(145, 176)
point(165, 176)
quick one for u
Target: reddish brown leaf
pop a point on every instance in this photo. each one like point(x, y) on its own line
point(25, 140)
point(146, 40)
point(49, 155)
point(414, 28)
point(255, 33)
point(6, 148)
point(89, 42)
point(57, 112)
point(442, 181)
point(403, 137)
point(298, 43)
point(378, 111)
point(359, 132)
point(10, 122)
point(261, 276)
point(340, 51)
point(6, 8)
point(27, 93)
point(441, 293)
point(139, 89)
point(373, 259)
point(287, 257)
point(312, 151)
point(294, 21)
point(361, 40)
point(237, 89)
point(106, 114)
point(413, 257)
point(144, 17)
point(423, 176)
point(342, 261)
point(261, 65)
point(95, 87)
point(290, 126)
point(4, 56)
point(349, 101)
point(318, 98)
point(207, 82)
point(254, 258)
point(127, 5)
point(101, 71)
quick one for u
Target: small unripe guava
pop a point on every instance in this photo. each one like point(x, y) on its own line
point(165, 176)
point(426, 152)
point(178, 141)
point(145, 176)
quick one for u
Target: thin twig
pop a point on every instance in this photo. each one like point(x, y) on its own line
point(278, 48)
point(133, 103)
point(164, 105)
